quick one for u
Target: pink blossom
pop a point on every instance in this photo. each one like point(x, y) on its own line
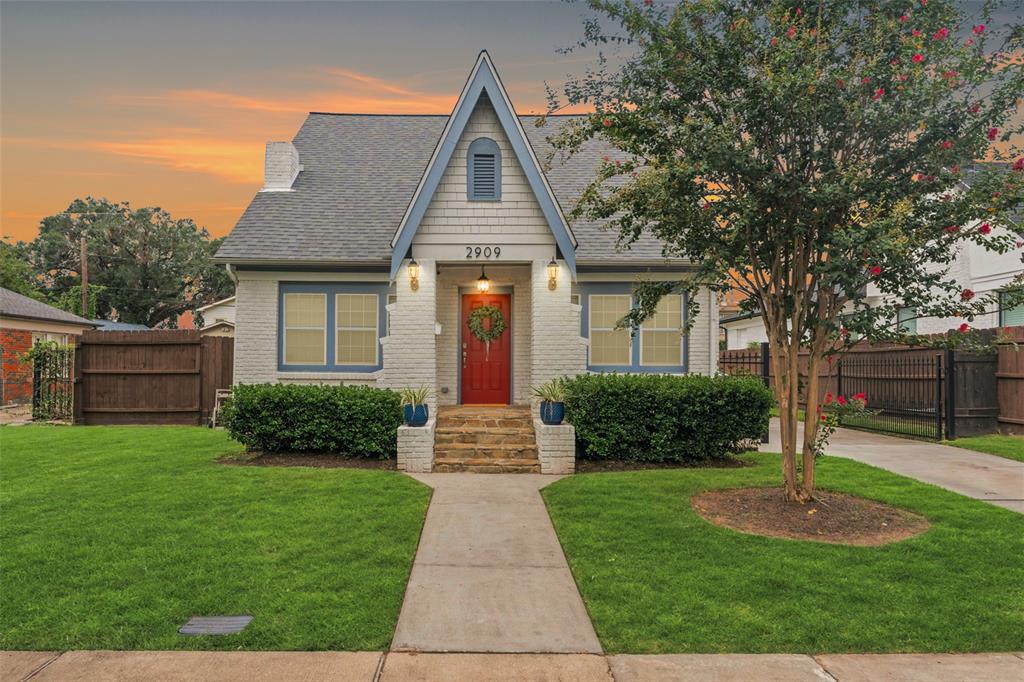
point(969, 42)
point(876, 270)
point(917, 58)
point(949, 74)
point(945, 144)
point(828, 398)
point(992, 133)
point(878, 94)
point(862, 397)
point(841, 400)
point(940, 34)
point(865, 80)
point(985, 228)
point(905, 18)
point(840, 83)
point(791, 32)
point(964, 327)
point(916, 33)
point(966, 295)
point(607, 123)
point(605, 158)
point(951, 229)
point(978, 30)
point(774, 41)
point(975, 108)
point(1020, 243)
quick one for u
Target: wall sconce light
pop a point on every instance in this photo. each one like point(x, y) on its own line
point(553, 274)
point(414, 275)
point(483, 285)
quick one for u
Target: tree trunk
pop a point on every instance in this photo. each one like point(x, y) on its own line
point(811, 424)
point(787, 383)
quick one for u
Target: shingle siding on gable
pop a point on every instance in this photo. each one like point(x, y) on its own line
point(517, 212)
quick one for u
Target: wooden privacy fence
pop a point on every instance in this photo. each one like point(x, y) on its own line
point(150, 377)
point(913, 390)
point(1010, 375)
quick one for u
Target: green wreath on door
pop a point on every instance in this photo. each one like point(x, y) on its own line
point(483, 333)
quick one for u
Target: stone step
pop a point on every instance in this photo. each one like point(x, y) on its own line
point(487, 466)
point(521, 437)
point(478, 451)
point(482, 422)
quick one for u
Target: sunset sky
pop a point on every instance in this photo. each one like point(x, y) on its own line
point(170, 104)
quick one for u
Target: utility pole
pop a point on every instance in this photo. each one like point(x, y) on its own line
point(84, 267)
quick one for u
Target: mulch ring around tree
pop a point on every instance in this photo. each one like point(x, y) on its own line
point(832, 517)
point(316, 460)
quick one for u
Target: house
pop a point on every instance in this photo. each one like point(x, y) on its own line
point(378, 243)
point(218, 318)
point(25, 322)
point(115, 326)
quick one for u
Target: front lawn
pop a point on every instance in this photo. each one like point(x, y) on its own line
point(112, 537)
point(1011, 447)
point(657, 578)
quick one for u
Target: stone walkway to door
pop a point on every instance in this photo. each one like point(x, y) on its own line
point(489, 574)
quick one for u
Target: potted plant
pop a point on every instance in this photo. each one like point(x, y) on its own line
point(414, 404)
point(552, 401)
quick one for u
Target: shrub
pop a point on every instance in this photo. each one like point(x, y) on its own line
point(357, 421)
point(658, 418)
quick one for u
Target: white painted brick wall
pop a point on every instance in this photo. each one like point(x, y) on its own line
point(556, 447)
point(410, 348)
point(518, 212)
point(416, 448)
point(557, 349)
point(255, 331)
point(704, 335)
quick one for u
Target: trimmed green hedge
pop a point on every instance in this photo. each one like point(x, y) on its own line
point(659, 418)
point(357, 421)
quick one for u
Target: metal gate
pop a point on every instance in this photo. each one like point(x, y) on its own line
point(52, 381)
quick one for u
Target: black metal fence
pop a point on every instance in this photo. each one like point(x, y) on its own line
point(52, 381)
point(906, 388)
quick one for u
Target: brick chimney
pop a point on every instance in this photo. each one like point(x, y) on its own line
point(280, 167)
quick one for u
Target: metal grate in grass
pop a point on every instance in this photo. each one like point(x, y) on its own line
point(214, 625)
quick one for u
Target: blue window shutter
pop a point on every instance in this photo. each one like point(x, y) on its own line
point(483, 172)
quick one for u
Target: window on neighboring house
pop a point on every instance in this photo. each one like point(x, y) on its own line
point(305, 329)
point(609, 346)
point(483, 174)
point(356, 319)
point(42, 337)
point(1010, 316)
point(906, 318)
point(661, 342)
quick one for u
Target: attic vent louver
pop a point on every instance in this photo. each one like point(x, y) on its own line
point(484, 172)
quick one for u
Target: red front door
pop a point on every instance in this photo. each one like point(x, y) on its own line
point(486, 373)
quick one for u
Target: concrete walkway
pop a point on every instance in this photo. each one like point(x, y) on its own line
point(489, 574)
point(975, 474)
point(272, 666)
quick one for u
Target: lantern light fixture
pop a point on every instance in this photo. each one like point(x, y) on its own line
point(414, 275)
point(483, 285)
point(552, 274)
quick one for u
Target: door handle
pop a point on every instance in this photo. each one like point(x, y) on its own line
point(465, 357)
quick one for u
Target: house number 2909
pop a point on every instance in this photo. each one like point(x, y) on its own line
point(483, 252)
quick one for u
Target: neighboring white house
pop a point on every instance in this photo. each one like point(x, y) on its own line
point(376, 237)
point(218, 318)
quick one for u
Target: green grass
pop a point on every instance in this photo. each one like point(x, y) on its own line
point(112, 537)
point(657, 578)
point(1011, 447)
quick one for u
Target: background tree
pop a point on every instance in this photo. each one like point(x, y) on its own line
point(151, 267)
point(16, 272)
point(800, 151)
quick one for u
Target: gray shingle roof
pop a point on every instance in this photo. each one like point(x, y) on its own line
point(359, 174)
point(15, 305)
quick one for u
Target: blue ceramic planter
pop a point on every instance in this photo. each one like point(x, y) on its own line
point(417, 416)
point(552, 413)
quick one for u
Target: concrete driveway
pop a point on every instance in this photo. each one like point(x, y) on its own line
point(975, 474)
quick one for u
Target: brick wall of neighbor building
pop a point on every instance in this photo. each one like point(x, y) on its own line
point(448, 300)
point(16, 383)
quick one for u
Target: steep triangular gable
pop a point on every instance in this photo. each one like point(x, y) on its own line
point(483, 79)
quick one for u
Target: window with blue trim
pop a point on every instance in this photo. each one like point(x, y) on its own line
point(483, 172)
point(658, 345)
point(331, 326)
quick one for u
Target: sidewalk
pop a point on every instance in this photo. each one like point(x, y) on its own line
point(241, 666)
point(489, 574)
point(975, 474)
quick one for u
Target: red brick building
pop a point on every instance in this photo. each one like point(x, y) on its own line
point(24, 322)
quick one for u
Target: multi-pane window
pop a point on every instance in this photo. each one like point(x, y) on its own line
point(906, 318)
point(356, 320)
point(661, 340)
point(305, 329)
point(1010, 316)
point(609, 346)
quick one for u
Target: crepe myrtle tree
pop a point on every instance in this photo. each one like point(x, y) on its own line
point(801, 152)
